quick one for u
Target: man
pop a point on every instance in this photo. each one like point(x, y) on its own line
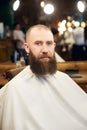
point(85, 34)
point(19, 39)
point(40, 97)
point(78, 49)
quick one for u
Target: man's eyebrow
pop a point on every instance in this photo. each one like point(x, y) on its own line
point(51, 42)
point(48, 41)
point(38, 41)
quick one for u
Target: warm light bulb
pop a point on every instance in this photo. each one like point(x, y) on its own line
point(48, 9)
point(16, 5)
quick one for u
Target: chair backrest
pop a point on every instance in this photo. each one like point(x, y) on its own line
point(6, 66)
point(13, 72)
point(72, 65)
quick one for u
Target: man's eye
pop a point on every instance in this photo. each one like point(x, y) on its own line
point(50, 43)
point(38, 43)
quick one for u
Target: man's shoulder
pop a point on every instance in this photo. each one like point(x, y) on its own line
point(60, 74)
point(20, 78)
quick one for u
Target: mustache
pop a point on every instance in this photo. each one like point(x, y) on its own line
point(44, 56)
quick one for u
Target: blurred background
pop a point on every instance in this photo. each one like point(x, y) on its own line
point(30, 12)
point(62, 16)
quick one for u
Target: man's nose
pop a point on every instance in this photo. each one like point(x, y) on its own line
point(45, 48)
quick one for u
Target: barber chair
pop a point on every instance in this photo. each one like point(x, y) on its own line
point(13, 72)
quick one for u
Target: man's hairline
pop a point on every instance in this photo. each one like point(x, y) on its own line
point(38, 27)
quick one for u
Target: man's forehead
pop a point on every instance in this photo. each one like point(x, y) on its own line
point(40, 34)
point(39, 30)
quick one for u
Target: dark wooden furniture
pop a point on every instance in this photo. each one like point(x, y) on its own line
point(4, 67)
point(77, 70)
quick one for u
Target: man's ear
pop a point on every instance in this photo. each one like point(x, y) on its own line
point(26, 46)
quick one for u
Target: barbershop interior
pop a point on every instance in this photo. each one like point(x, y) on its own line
point(67, 20)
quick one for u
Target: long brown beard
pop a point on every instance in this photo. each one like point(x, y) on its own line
point(42, 68)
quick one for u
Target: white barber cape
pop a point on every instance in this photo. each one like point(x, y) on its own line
point(30, 102)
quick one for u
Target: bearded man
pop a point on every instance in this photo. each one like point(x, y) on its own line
point(40, 97)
